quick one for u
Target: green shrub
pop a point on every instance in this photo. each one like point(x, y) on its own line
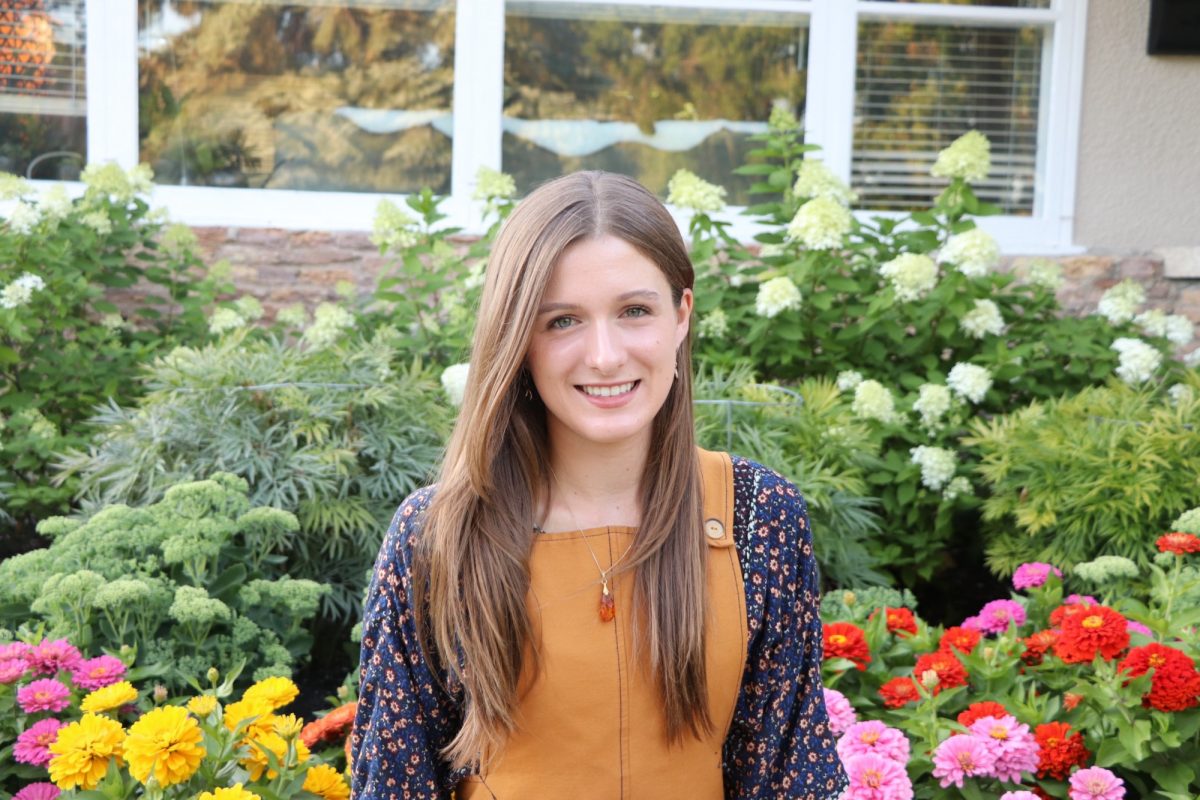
point(194, 580)
point(1100, 472)
point(64, 346)
point(324, 425)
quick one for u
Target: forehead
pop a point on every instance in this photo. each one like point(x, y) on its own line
point(602, 263)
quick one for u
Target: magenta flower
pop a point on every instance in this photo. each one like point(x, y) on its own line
point(13, 650)
point(1019, 795)
point(13, 669)
point(841, 713)
point(98, 672)
point(1133, 626)
point(1033, 574)
point(873, 736)
point(995, 616)
point(1076, 599)
point(873, 777)
point(961, 757)
point(1013, 748)
point(1096, 783)
point(33, 745)
point(38, 791)
point(46, 694)
point(48, 657)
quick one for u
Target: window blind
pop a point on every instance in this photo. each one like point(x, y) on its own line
point(42, 48)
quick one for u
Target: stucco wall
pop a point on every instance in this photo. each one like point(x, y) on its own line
point(1139, 149)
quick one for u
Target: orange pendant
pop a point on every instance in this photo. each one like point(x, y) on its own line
point(608, 609)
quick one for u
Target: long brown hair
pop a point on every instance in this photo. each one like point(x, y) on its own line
point(471, 566)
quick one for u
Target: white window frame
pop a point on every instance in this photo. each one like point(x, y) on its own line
point(478, 91)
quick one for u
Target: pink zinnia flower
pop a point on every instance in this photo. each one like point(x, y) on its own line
point(12, 669)
point(1133, 626)
point(1019, 795)
point(1033, 574)
point(961, 757)
point(46, 694)
point(995, 616)
point(841, 713)
point(33, 745)
point(98, 672)
point(1080, 599)
point(873, 736)
point(1096, 783)
point(48, 657)
point(38, 791)
point(1014, 749)
point(873, 777)
point(13, 650)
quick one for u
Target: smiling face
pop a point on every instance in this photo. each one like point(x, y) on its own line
point(603, 351)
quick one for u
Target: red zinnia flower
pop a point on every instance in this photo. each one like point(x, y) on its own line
point(949, 669)
point(977, 711)
point(1175, 684)
point(1061, 750)
point(330, 727)
point(959, 638)
point(1065, 610)
point(1178, 543)
point(1071, 699)
point(898, 692)
point(846, 640)
point(1037, 644)
point(899, 620)
point(1092, 630)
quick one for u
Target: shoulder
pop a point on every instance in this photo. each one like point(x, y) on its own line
point(406, 526)
point(766, 496)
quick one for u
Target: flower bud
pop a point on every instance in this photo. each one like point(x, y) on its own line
point(989, 653)
point(929, 678)
point(849, 598)
point(288, 726)
point(342, 692)
point(160, 693)
point(213, 675)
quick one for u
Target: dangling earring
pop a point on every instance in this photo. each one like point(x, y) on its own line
point(676, 370)
point(527, 385)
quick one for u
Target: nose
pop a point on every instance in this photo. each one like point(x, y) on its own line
point(605, 351)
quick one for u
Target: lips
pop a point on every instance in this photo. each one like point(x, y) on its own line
point(609, 390)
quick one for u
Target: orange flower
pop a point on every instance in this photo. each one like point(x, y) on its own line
point(898, 692)
point(1090, 631)
point(1061, 750)
point(1175, 684)
point(1037, 644)
point(899, 620)
point(949, 669)
point(330, 727)
point(846, 640)
point(977, 711)
point(1071, 699)
point(959, 638)
point(1178, 543)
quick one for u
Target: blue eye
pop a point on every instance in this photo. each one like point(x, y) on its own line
point(560, 323)
point(638, 311)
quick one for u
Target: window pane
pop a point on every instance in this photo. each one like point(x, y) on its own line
point(43, 107)
point(643, 91)
point(999, 3)
point(919, 87)
point(340, 96)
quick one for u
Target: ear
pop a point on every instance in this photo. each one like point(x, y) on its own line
point(683, 318)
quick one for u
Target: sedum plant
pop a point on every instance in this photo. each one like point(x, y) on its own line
point(323, 424)
point(196, 579)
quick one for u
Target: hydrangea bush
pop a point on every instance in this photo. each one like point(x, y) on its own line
point(193, 580)
point(64, 346)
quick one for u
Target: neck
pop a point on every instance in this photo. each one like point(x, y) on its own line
point(593, 486)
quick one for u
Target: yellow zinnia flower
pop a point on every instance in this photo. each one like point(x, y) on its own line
point(235, 792)
point(203, 705)
point(325, 781)
point(236, 713)
point(255, 760)
point(288, 725)
point(83, 750)
point(276, 692)
point(112, 696)
point(165, 743)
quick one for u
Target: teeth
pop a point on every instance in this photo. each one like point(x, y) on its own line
point(608, 391)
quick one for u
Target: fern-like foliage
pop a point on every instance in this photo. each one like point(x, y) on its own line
point(1101, 472)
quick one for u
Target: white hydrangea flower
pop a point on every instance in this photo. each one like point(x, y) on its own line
point(120, 186)
point(958, 487)
point(1138, 360)
point(248, 307)
point(937, 465)
point(848, 380)
point(873, 400)
point(974, 252)
point(54, 203)
point(776, 296)
point(686, 189)
point(113, 322)
point(1192, 359)
point(141, 179)
point(932, 403)
point(912, 275)
point(39, 426)
point(393, 227)
point(23, 218)
point(20, 291)
point(821, 224)
point(969, 157)
point(771, 249)
point(1045, 273)
point(492, 184)
point(293, 316)
point(97, 221)
point(1180, 330)
point(969, 381)
point(329, 322)
point(224, 319)
point(1180, 393)
point(814, 179)
point(1120, 303)
point(13, 187)
point(782, 118)
point(714, 325)
point(178, 240)
point(454, 381)
point(476, 275)
point(983, 320)
point(1176, 328)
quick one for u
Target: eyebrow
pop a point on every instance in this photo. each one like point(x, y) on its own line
point(645, 294)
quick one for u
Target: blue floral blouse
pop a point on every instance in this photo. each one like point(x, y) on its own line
point(779, 744)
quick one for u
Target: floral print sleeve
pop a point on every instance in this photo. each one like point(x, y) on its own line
point(779, 744)
point(404, 716)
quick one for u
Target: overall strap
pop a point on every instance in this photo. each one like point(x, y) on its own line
point(716, 470)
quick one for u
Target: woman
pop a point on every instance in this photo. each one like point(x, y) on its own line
point(588, 606)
